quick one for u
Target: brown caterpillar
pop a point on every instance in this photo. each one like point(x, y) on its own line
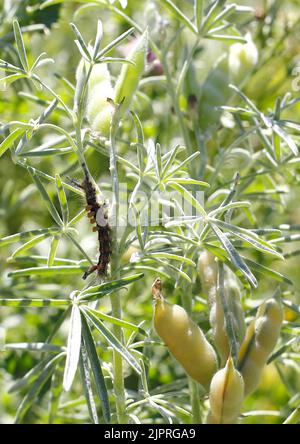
point(98, 215)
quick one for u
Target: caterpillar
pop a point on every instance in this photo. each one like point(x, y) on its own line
point(98, 215)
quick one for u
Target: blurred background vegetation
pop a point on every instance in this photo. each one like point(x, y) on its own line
point(274, 27)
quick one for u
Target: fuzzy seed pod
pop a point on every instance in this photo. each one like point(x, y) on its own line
point(226, 395)
point(184, 338)
point(130, 75)
point(98, 110)
point(208, 270)
point(261, 337)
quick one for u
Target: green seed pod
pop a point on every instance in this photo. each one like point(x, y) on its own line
point(226, 395)
point(261, 337)
point(208, 270)
point(98, 110)
point(184, 339)
point(130, 75)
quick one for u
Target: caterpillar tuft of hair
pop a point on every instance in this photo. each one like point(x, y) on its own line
point(98, 215)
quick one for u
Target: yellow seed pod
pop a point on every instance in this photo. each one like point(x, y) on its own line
point(184, 338)
point(261, 338)
point(226, 395)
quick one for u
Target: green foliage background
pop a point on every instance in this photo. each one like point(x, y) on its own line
point(273, 194)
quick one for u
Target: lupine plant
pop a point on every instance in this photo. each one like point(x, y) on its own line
point(172, 125)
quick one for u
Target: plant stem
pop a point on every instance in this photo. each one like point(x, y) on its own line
point(119, 387)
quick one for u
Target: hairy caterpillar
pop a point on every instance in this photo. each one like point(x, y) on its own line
point(98, 215)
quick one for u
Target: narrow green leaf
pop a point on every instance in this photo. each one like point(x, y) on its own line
point(31, 243)
point(294, 417)
point(73, 348)
point(25, 235)
point(250, 238)
point(96, 368)
point(52, 250)
point(226, 38)
point(286, 138)
point(93, 293)
point(116, 321)
point(48, 271)
point(179, 15)
point(33, 346)
point(198, 7)
point(189, 181)
point(62, 199)
point(30, 376)
point(77, 245)
point(87, 384)
point(55, 392)
point(34, 302)
point(113, 341)
point(84, 50)
point(268, 272)
point(7, 143)
point(9, 80)
point(283, 348)
point(20, 46)
point(36, 387)
point(214, 10)
point(187, 196)
point(115, 43)
point(170, 256)
point(182, 164)
point(236, 259)
point(51, 208)
point(98, 38)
